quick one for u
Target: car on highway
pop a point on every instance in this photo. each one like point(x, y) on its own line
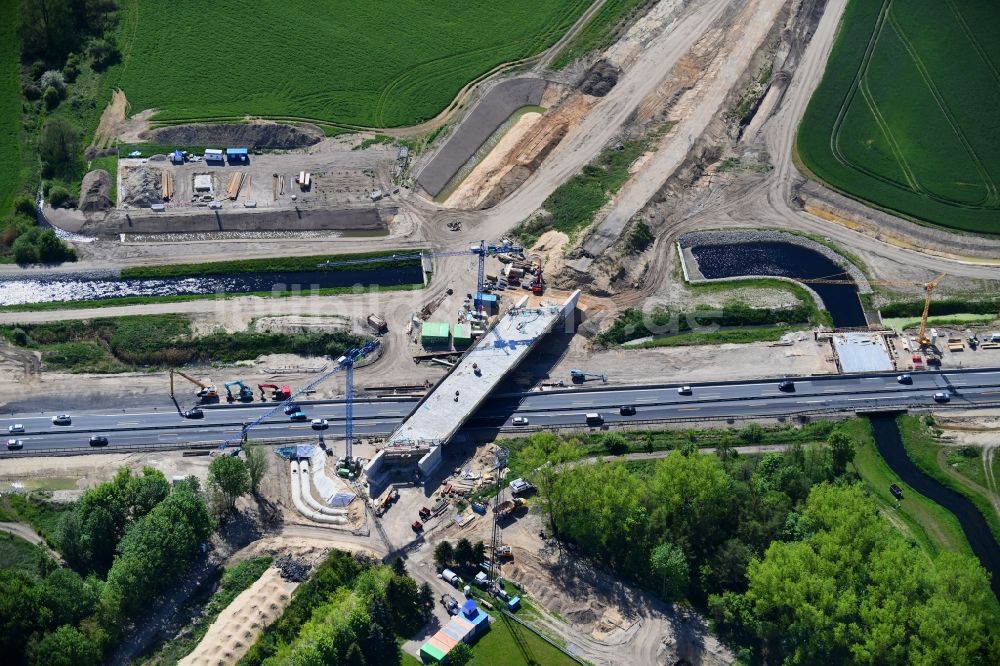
point(941, 396)
point(14, 444)
point(298, 416)
point(905, 379)
point(291, 409)
point(594, 418)
point(62, 419)
point(98, 440)
point(627, 410)
point(194, 413)
point(320, 424)
point(684, 390)
point(786, 385)
point(519, 421)
point(17, 427)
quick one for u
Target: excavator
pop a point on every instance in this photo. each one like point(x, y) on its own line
point(206, 392)
point(246, 393)
point(277, 393)
point(922, 339)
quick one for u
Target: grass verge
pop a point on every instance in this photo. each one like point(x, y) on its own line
point(720, 337)
point(600, 31)
point(921, 448)
point(509, 644)
point(926, 522)
point(19, 555)
point(38, 510)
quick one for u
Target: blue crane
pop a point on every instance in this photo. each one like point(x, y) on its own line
point(482, 250)
point(345, 361)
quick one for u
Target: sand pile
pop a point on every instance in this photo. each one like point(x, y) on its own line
point(142, 186)
point(238, 626)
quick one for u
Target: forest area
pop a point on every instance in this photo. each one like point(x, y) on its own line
point(786, 553)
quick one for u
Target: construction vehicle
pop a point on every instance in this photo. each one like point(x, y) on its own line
point(424, 513)
point(504, 552)
point(277, 393)
point(206, 392)
point(246, 393)
point(507, 507)
point(922, 339)
point(579, 376)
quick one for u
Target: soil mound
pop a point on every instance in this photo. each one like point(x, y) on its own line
point(253, 135)
point(599, 79)
point(94, 191)
point(142, 186)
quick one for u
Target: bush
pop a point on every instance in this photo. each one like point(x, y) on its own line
point(640, 238)
point(53, 79)
point(25, 205)
point(31, 92)
point(615, 444)
point(25, 251)
point(59, 197)
point(71, 69)
point(51, 98)
point(103, 53)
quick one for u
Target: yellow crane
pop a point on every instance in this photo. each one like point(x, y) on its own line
point(928, 289)
point(207, 391)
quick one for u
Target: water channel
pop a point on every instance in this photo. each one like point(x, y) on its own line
point(773, 258)
point(890, 446)
point(19, 290)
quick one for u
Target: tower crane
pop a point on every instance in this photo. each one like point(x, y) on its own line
point(482, 250)
point(207, 392)
point(922, 338)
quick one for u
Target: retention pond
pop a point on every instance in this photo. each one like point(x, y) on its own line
point(17, 290)
point(890, 446)
point(777, 259)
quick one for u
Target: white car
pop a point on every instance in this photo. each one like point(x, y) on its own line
point(14, 444)
point(320, 424)
point(519, 421)
point(62, 419)
point(17, 427)
point(684, 390)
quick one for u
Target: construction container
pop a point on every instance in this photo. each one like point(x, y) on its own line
point(213, 155)
point(467, 628)
point(489, 302)
point(514, 603)
point(435, 334)
point(461, 335)
point(431, 654)
point(443, 641)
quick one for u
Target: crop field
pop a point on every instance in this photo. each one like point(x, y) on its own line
point(906, 115)
point(340, 64)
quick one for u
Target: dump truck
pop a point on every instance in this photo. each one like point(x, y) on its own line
point(508, 507)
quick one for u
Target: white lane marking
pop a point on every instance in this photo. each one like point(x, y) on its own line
point(645, 400)
point(129, 423)
point(689, 409)
point(810, 401)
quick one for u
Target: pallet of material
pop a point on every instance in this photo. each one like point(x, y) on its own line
point(167, 184)
point(990, 345)
point(956, 347)
point(235, 183)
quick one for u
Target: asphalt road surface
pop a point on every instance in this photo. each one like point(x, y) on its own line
point(557, 408)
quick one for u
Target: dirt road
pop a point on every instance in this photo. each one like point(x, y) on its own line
point(31, 536)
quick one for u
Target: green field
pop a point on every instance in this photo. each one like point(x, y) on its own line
point(361, 63)
point(906, 115)
point(10, 108)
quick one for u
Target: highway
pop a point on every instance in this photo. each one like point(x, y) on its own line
point(546, 409)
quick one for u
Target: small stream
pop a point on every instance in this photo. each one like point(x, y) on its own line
point(19, 290)
point(772, 258)
point(890, 446)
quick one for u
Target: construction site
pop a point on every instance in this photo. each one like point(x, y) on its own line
point(713, 288)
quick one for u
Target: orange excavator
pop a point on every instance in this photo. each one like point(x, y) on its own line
point(206, 392)
point(277, 393)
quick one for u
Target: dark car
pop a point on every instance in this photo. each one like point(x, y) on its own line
point(194, 413)
point(626, 410)
point(98, 440)
point(941, 396)
point(292, 408)
point(298, 416)
point(905, 379)
point(786, 385)
point(896, 491)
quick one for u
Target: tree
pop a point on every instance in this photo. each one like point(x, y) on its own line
point(68, 596)
point(25, 251)
point(460, 655)
point(426, 598)
point(53, 79)
point(669, 569)
point(379, 647)
point(66, 646)
point(59, 197)
point(354, 656)
point(59, 148)
point(478, 552)
point(257, 460)
point(545, 455)
point(841, 451)
point(464, 554)
point(229, 476)
point(443, 555)
point(403, 599)
point(399, 566)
